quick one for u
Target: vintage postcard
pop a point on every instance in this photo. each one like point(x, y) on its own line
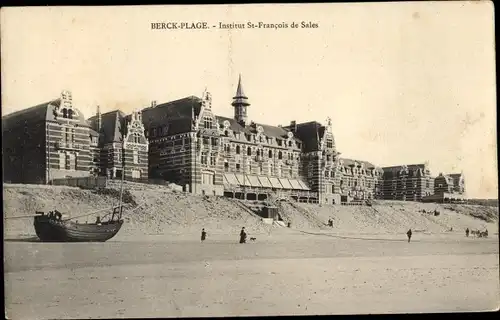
point(249, 160)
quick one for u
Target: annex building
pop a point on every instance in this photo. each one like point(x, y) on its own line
point(186, 143)
point(53, 140)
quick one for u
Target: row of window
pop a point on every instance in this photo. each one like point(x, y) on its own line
point(135, 156)
point(260, 169)
point(260, 152)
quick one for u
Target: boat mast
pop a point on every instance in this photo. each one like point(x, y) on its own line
point(123, 176)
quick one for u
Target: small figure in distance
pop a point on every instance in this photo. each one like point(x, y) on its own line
point(467, 232)
point(409, 235)
point(243, 235)
point(203, 235)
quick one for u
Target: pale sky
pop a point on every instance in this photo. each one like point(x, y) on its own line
point(403, 83)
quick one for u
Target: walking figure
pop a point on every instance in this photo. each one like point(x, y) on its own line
point(243, 235)
point(409, 235)
point(203, 235)
point(467, 232)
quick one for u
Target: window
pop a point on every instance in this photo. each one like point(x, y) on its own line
point(261, 169)
point(70, 161)
point(333, 188)
point(226, 133)
point(289, 143)
point(249, 151)
point(136, 156)
point(280, 155)
point(207, 122)
point(238, 166)
point(65, 113)
point(62, 161)
point(136, 174)
point(237, 149)
point(70, 114)
point(270, 153)
point(226, 166)
point(329, 143)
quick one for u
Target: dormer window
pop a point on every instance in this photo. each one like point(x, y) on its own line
point(65, 113)
point(70, 114)
point(329, 143)
point(207, 122)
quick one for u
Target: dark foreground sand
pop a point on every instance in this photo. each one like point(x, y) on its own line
point(277, 275)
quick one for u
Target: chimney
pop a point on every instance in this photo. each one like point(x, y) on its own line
point(293, 126)
point(153, 103)
point(99, 119)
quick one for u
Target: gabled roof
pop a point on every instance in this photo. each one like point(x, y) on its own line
point(111, 126)
point(409, 166)
point(310, 133)
point(269, 131)
point(42, 112)
point(170, 111)
point(367, 165)
point(456, 178)
point(93, 133)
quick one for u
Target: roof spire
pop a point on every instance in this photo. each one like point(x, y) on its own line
point(240, 99)
point(239, 91)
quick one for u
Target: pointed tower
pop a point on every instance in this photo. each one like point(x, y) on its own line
point(240, 104)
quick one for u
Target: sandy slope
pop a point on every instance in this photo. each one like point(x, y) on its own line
point(397, 217)
point(159, 210)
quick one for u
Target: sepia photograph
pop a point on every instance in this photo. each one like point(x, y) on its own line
point(249, 160)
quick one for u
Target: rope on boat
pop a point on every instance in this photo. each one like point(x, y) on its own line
point(88, 214)
point(25, 216)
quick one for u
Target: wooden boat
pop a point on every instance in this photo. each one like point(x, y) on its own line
point(52, 228)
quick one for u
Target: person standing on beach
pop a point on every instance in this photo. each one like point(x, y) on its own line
point(243, 235)
point(467, 232)
point(409, 235)
point(203, 235)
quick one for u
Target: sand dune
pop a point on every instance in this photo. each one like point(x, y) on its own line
point(155, 210)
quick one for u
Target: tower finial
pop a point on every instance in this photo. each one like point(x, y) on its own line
point(240, 104)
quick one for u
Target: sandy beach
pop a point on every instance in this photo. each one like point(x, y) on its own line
point(283, 273)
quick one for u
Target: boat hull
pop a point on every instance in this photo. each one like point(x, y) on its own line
point(51, 230)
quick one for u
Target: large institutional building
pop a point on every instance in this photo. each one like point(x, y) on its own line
point(184, 142)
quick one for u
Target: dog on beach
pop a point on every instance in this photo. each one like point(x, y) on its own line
point(253, 239)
